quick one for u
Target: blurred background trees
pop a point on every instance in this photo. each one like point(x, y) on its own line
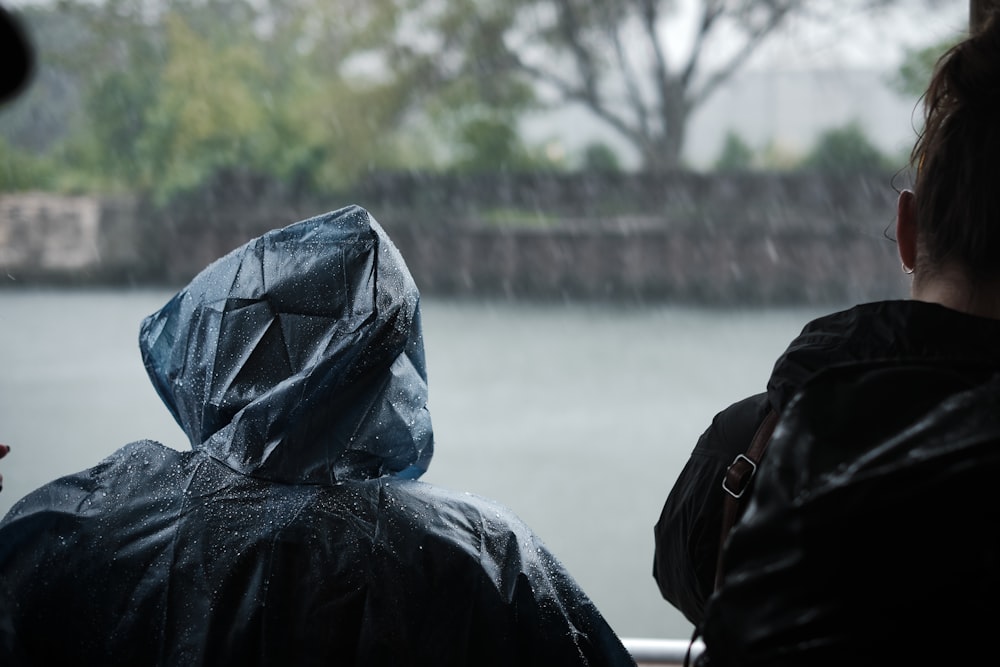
point(155, 97)
point(640, 66)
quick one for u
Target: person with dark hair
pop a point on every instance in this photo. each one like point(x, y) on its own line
point(870, 535)
point(295, 530)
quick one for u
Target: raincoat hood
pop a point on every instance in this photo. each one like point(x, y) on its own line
point(299, 357)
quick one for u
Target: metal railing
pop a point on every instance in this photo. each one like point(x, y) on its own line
point(662, 651)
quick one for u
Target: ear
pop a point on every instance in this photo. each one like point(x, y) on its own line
point(906, 229)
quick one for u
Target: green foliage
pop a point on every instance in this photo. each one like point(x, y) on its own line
point(736, 154)
point(314, 92)
point(485, 139)
point(488, 144)
point(20, 171)
point(915, 72)
point(584, 53)
point(599, 156)
point(118, 108)
point(150, 96)
point(205, 115)
point(845, 149)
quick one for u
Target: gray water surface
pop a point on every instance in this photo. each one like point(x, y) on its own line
point(578, 417)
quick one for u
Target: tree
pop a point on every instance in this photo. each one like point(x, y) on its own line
point(914, 73)
point(845, 149)
point(598, 156)
point(20, 171)
point(487, 144)
point(169, 93)
point(736, 154)
point(617, 58)
point(319, 91)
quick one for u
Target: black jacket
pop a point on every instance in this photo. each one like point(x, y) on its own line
point(294, 531)
point(894, 333)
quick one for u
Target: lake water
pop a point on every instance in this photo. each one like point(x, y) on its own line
point(578, 417)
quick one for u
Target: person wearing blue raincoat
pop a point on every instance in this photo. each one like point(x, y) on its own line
point(294, 532)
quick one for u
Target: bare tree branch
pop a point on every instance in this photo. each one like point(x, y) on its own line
point(726, 70)
point(666, 94)
point(571, 31)
point(571, 93)
point(632, 88)
point(712, 10)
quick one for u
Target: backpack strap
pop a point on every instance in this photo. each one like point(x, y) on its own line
point(737, 479)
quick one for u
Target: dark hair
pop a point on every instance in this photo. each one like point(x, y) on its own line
point(957, 158)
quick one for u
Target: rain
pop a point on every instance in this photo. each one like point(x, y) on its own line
point(607, 254)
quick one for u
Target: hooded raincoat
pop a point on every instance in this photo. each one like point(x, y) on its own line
point(294, 531)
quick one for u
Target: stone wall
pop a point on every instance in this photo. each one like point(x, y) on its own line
point(655, 264)
point(52, 238)
point(750, 238)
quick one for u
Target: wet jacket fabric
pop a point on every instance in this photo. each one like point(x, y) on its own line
point(926, 339)
point(872, 536)
point(294, 531)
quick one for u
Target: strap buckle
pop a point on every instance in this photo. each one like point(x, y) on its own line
point(738, 476)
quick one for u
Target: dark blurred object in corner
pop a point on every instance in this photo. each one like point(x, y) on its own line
point(16, 58)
